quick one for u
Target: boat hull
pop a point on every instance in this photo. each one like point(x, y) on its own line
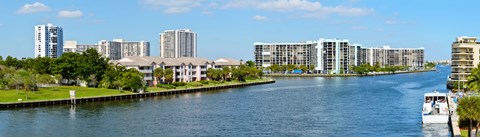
point(434, 119)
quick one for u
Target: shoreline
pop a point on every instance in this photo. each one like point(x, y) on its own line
point(31, 104)
point(343, 75)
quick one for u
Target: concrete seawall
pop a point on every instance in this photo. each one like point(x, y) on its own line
point(342, 75)
point(453, 117)
point(127, 96)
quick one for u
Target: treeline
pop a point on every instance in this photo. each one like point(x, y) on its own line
point(275, 68)
point(69, 69)
point(367, 68)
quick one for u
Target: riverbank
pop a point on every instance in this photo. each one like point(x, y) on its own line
point(345, 75)
point(7, 105)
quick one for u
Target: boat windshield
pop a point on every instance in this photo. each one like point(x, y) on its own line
point(439, 99)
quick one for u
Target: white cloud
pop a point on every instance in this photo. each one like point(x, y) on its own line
point(308, 8)
point(207, 12)
point(70, 14)
point(173, 10)
point(359, 28)
point(391, 22)
point(259, 18)
point(172, 6)
point(32, 8)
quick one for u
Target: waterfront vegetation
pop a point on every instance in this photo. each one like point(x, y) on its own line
point(60, 92)
point(469, 112)
point(183, 85)
point(89, 68)
point(24, 77)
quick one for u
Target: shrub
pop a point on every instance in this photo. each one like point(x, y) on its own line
point(166, 86)
point(177, 84)
point(195, 84)
point(204, 82)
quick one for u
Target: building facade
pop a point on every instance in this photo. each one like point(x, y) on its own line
point(186, 69)
point(465, 57)
point(178, 43)
point(335, 55)
point(72, 46)
point(134, 48)
point(386, 56)
point(110, 49)
point(48, 41)
point(267, 54)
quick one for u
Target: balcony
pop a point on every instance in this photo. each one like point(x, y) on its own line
point(147, 78)
point(146, 71)
point(461, 59)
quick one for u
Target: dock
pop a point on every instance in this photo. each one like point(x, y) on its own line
point(453, 117)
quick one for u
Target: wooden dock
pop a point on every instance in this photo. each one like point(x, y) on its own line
point(14, 105)
point(453, 117)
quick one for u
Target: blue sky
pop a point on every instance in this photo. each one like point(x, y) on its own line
point(228, 28)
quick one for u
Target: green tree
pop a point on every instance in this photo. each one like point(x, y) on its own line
point(311, 68)
point(112, 74)
point(132, 80)
point(41, 65)
point(291, 67)
point(469, 109)
point(169, 75)
point(91, 63)
point(275, 68)
point(159, 73)
point(250, 63)
point(226, 72)
point(67, 65)
point(304, 68)
point(58, 78)
point(473, 80)
point(45, 79)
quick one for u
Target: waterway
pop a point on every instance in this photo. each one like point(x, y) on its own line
point(354, 106)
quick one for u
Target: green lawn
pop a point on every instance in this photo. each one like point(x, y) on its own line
point(155, 89)
point(61, 92)
point(464, 133)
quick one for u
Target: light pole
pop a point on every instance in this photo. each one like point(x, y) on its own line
point(463, 76)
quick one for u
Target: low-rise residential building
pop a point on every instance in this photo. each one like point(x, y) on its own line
point(186, 69)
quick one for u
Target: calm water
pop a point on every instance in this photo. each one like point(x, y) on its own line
point(360, 106)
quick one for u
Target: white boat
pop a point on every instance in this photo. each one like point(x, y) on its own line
point(435, 108)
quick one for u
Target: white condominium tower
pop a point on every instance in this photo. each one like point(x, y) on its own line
point(48, 41)
point(465, 57)
point(302, 53)
point(113, 50)
point(178, 43)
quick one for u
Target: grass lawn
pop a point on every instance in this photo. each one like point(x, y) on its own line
point(53, 93)
point(154, 89)
point(464, 133)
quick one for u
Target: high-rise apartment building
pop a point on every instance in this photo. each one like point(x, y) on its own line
point(335, 55)
point(134, 48)
point(267, 54)
point(386, 56)
point(465, 57)
point(178, 43)
point(48, 41)
point(72, 46)
point(110, 49)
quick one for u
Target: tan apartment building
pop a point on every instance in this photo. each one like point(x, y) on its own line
point(465, 57)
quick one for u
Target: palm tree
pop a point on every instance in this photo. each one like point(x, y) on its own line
point(226, 72)
point(168, 75)
point(473, 82)
point(469, 109)
point(159, 73)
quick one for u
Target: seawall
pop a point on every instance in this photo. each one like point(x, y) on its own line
point(343, 75)
point(127, 96)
